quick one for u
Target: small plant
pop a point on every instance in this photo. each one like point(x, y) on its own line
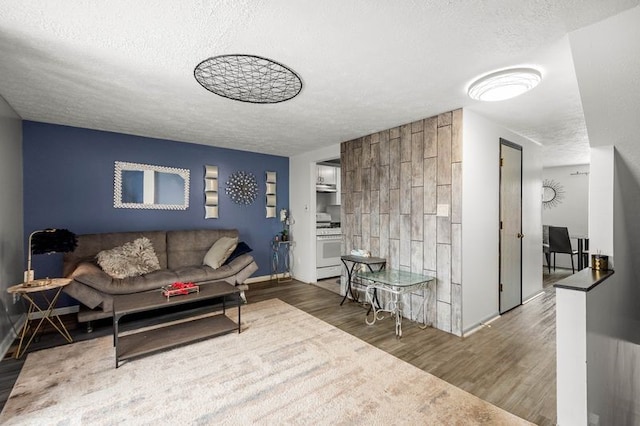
point(284, 218)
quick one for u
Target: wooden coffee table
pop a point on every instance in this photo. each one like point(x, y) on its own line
point(138, 343)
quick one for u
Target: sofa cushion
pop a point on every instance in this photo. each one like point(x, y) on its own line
point(220, 251)
point(130, 259)
point(187, 248)
point(241, 248)
point(91, 275)
point(89, 245)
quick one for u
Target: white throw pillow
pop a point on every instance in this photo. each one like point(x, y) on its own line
point(220, 251)
point(129, 260)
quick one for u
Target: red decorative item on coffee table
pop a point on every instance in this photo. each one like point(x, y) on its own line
point(179, 288)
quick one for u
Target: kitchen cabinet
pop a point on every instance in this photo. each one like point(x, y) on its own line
point(327, 174)
point(337, 199)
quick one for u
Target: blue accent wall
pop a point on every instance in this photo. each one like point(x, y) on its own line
point(68, 183)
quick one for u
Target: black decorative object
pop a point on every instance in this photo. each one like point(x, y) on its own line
point(552, 193)
point(248, 78)
point(53, 241)
point(242, 188)
point(48, 241)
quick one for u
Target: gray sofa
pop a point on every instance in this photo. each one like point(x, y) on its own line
point(180, 254)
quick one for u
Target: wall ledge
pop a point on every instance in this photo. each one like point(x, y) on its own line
point(584, 280)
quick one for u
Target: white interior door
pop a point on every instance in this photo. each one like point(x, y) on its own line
point(510, 286)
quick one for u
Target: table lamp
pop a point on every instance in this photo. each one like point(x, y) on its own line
point(47, 241)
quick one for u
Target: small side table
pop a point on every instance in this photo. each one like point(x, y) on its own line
point(280, 261)
point(356, 261)
point(26, 292)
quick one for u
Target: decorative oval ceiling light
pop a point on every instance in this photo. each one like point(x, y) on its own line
point(248, 78)
point(505, 84)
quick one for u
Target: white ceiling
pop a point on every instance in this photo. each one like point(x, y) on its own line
point(127, 66)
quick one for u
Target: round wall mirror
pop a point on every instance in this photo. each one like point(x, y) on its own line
point(548, 194)
point(552, 193)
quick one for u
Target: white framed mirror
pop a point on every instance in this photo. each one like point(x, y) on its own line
point(145, 186)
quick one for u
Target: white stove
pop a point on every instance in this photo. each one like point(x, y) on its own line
point(323, 232)
point(325, 227)
point(328, 247)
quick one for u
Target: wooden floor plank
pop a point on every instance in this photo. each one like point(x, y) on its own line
point(510, 363)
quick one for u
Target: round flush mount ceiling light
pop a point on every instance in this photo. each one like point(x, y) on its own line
point(248, 78)
point(505, 84)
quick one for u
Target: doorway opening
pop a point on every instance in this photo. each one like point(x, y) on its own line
point(328, 224)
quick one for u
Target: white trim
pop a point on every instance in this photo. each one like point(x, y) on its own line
point(263, 278)
point(58, 311)
point(480, 325)
point(535, 296)
point(5, 344)
point(257, 279)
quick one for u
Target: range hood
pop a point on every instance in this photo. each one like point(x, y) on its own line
point(325, 187)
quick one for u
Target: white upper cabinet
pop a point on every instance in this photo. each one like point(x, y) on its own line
point(327, 174)
point(338, 197)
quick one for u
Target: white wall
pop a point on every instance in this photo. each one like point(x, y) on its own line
point(607, 68)
point(601, 184)
point(11, 213)
point(480, 217)
point(573, 210)
point(571, 361)
point(302, 201)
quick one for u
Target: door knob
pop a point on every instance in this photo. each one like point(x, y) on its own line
point(520, 235)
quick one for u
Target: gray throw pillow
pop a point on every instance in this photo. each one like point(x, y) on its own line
point(129, 260)
point(220, 251)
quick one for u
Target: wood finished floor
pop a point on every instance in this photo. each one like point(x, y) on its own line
point(510, 363)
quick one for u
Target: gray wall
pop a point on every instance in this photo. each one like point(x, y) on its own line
point(393, 182)
point(607, 67)
point(573, 210)
point(11, 238)
point(480, 218)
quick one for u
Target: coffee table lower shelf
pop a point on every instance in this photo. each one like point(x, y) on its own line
point(169, 336)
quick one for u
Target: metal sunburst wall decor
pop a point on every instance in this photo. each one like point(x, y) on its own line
point(248, 78)
point(552, 193)
point(242, 188)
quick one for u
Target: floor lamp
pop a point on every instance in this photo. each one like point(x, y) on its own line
point(47, 241)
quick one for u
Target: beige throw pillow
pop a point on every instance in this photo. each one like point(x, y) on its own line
point(220, 251)
point(129, 260)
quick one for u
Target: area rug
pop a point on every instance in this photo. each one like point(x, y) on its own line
point(286, 367)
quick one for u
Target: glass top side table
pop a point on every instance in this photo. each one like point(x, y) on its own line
point(395, 278)
point(395, 283)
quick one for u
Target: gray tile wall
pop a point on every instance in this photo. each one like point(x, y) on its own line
point(402, 201)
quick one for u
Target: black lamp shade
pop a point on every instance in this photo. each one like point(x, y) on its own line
point(53, 241)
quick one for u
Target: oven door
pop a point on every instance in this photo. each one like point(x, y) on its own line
point(328, 250)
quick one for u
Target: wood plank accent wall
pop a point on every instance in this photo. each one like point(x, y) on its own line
point(401, 200)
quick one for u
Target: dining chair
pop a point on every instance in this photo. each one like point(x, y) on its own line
point(545, 245)
point(559, 242)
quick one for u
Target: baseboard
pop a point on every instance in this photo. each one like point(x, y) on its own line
point(470, 330)
point(5, 345)
point(58, 311)
point(258, 279)
point(535, 296)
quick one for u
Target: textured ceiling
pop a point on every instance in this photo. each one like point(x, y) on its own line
point(366, 65)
